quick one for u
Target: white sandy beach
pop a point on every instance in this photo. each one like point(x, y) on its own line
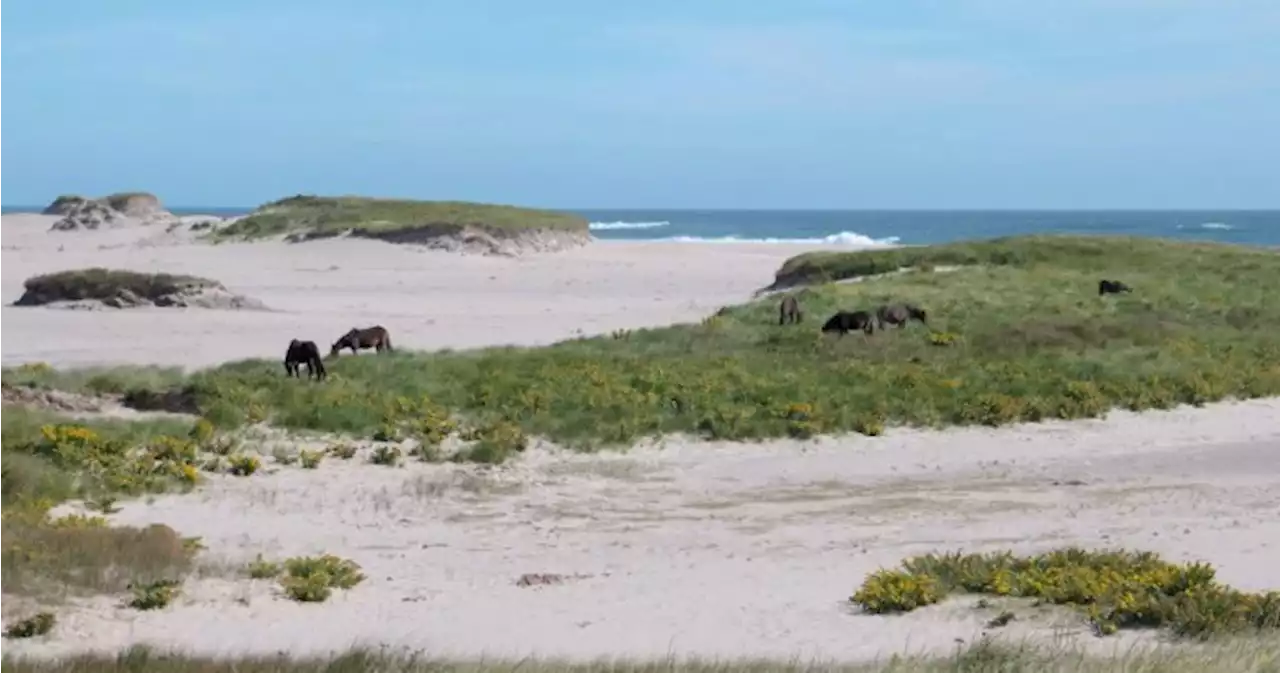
point(684, 548)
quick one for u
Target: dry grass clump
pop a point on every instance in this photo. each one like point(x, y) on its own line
point(48, 560)
point(984, 656)
point(1114, 589)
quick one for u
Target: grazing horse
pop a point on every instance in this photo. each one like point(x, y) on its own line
point(375, 337)
point(900, 315)
point(1112, 287)
point(300, 353)
point(846, 321)
point(789, 311)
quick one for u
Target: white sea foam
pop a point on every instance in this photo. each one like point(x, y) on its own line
point(607, 226)
point(842, 238)
point(1218, 226)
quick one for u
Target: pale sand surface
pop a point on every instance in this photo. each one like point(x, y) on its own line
point(321, 289)
point(687, 548)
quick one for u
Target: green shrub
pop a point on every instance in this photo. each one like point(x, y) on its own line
point(38, 624)
point(261, 568)
point(243, 465)
point(1114, 589)
point(312, 579)
point(154, 595)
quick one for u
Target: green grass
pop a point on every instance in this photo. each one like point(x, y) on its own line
point(1254, 656)
point(100, 283)
point(92, 380)
point(43, 557)
point(325, 216)
point(1021, 341)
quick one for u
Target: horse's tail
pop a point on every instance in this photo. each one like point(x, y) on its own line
point(386, 340)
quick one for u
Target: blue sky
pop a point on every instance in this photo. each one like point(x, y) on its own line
point(704, 103)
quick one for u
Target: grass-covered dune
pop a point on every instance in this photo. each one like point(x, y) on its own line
point(105, 284)
point(306, 217)
point(118, 288)
point(1109, 256)
point(1021, 336)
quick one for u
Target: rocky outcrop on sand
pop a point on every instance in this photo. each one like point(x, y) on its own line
point(97, 288)
point(115, 210)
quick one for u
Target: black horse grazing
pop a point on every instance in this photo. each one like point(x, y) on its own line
point(300, 353)
point(1112, 287)
point(847, 321)
point(900, 315)
point(375, 337)
point(789, 311)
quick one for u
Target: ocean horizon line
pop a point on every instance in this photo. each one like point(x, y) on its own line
point(196, 209)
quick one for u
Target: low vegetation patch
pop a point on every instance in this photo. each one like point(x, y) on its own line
point(320, 216)
point(114, 288)
point(38, 624)
point(312, 579)
point(48, 459)
point(1021, 337)
point(983, 656)
point(154, 595)
point(1114, 589)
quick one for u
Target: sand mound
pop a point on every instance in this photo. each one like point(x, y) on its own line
point(54, 400)
point(99, 288)
point(115, 210)
point(478, 240)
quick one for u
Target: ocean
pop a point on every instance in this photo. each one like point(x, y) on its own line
point(867, 227)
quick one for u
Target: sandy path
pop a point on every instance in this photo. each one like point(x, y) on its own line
point(711, 550)
point(321, 289)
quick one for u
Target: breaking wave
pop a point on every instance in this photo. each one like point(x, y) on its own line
point(842, 238)
point(610, 226)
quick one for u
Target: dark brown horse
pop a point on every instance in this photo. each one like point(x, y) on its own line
point(789, 311)
point(300, 353)
point(847, 321)
point(900, 314)
point(375, 337)
point(1112, 287)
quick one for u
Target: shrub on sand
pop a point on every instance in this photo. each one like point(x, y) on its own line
point(38, 624)
point(312, 579)
point(1114, 589)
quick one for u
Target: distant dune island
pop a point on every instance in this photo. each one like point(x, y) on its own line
point(457, 226)
point(448, 225)
point(114, 210)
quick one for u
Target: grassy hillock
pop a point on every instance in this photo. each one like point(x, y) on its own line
point(107, 285)
point(320, 216)
point(1106, 255)
point(1022, 336)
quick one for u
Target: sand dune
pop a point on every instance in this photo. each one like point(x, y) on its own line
point(686, 548)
